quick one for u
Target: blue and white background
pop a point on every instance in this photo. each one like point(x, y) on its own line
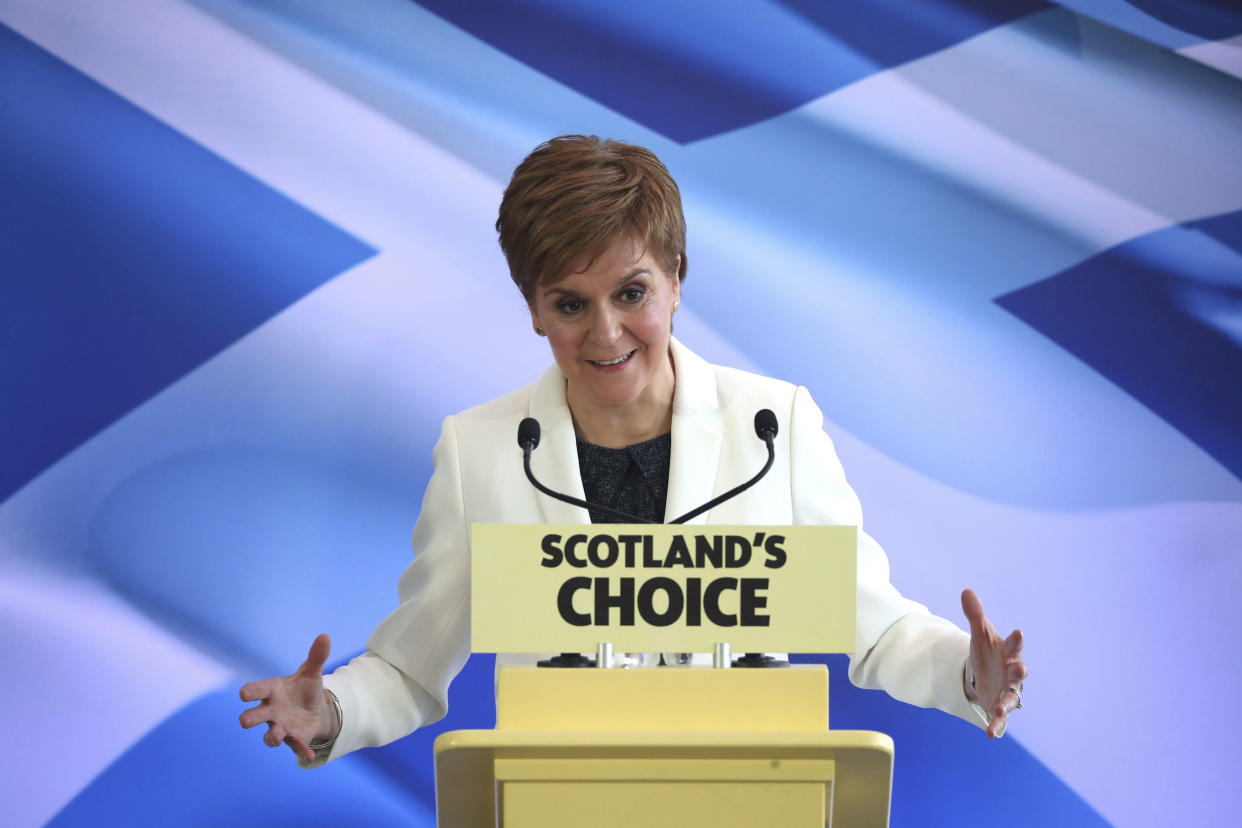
point(247, 264)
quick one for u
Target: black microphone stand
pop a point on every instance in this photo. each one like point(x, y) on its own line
point(528, 439)
point(765, 428)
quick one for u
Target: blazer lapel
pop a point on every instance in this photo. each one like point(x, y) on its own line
point(697, 438)
point(555, 460)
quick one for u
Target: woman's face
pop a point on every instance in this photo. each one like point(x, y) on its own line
point(609, 327)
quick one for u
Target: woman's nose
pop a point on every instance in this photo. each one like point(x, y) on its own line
point(605, 326)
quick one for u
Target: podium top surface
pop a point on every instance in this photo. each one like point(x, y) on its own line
point(663, 699)
point(548, 742)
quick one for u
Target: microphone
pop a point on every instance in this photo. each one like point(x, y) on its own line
point(528, 432)
point(765, 430)
point(765, 425)
point(528, 439)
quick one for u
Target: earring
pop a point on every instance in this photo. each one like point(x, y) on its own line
point(539, 330)
point(676, 305)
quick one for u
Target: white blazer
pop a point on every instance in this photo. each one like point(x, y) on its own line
point(402, 681)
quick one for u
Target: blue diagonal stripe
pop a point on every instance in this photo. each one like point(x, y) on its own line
point(692, 70)
point(129, 255)
point(1160, 316)
point(1209, 19)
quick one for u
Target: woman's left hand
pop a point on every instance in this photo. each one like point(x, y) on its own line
point(997, 665)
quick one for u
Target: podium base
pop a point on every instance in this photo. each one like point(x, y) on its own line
point(759, 660)
point(567, 660)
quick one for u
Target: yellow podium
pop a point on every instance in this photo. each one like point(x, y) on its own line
point(663, 747)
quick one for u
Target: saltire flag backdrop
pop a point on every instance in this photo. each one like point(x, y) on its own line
point(247, 264)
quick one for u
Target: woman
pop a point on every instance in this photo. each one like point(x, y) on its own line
point(595, 240)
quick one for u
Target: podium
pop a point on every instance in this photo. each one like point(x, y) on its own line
point(663, 747)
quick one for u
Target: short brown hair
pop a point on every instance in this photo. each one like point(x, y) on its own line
point(576, 194)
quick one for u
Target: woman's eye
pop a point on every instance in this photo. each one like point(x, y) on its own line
point(569, 305)
point(633, 294)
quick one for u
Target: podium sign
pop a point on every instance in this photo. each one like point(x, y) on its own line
point(663, 588)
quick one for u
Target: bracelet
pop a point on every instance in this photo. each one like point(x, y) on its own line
point(968, 677)
point(340, 722)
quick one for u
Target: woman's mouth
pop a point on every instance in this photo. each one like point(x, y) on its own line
point(608, 363)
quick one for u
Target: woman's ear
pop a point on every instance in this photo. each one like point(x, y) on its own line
point(534, 322)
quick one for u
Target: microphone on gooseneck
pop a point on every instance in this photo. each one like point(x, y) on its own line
point(528, 439)
point(765, 430)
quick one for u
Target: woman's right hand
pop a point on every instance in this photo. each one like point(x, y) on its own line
point(294, 706)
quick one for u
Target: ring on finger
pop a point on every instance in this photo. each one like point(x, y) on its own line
point(1016, 692)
